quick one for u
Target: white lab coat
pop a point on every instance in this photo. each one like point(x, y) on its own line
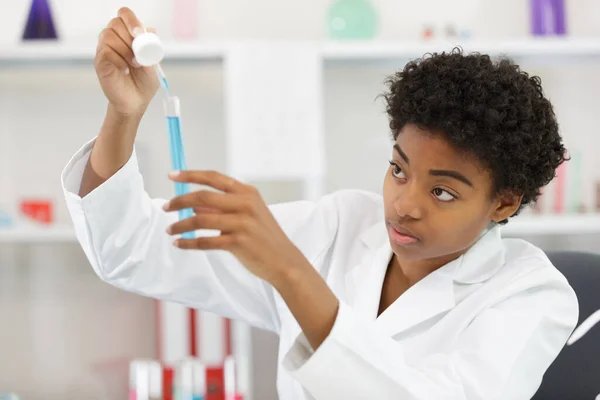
point(485, 326)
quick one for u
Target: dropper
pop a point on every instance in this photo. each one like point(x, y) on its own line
point(162, 78)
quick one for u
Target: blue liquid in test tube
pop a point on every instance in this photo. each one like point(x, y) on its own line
point(172, 112)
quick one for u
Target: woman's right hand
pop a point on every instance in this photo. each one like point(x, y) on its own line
point(128, 86)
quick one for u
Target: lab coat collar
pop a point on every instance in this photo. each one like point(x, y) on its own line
point(435, 293)
point(483, 260)
point(477, 265)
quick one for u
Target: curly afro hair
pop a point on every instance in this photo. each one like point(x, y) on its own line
point(491, 110)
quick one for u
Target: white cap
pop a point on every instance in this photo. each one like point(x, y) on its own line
point(148, 49)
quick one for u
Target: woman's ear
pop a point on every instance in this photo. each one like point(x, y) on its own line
point(507, 204)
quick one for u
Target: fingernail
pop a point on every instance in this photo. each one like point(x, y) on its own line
point(135, 63)
point(169, 229)
point(138, 30)
point(176, 242)
point(126, 72)
point(166, 206)
point(174, 174)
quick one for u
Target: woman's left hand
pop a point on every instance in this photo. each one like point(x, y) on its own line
point(248, 229)
point(250, 232)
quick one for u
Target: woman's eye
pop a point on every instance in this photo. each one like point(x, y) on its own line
point(397, 171)
point(443, 195)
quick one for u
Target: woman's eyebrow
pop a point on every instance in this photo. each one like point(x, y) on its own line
point(401, 153)
point(437, 172)
point(451, 174)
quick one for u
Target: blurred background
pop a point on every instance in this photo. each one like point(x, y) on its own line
point(256, 79)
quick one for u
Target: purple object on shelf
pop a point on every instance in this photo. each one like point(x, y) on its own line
point(548, 17)
point(39, 22)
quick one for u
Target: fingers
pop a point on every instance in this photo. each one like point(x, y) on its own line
point(206, 243)
point(221, 222)
point(116, 37)
point(132, 23)
point(201, 209)
point(213, 179)
point(108, 57)
point(117, 25)
point(204, 199)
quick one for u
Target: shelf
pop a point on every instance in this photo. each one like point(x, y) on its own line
point(56, 52)
point(35, 234)
point(359, 51)
point(523, 225)
point(542, 47)
point(577, 224)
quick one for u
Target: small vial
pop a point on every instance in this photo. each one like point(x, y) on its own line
point(145, 380)
point(185, 18)
point(190, 380)
point(235, 379)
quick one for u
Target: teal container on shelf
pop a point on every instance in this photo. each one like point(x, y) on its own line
point(6, 221)
point(352, 20)
point(8, 396)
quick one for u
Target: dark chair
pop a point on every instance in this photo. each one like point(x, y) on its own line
point(575, 374)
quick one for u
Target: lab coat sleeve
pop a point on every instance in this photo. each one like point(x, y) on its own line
point(503, 354)
point(123, 234)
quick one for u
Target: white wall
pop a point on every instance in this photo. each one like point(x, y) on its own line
point(43, 122)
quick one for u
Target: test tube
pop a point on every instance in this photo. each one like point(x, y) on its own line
point(145, 380)
point(235, 378)
point(190, 380)
point(173, 115)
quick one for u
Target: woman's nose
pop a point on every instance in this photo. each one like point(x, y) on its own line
point(409, 203)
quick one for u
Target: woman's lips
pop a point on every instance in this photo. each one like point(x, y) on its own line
point(401, 236)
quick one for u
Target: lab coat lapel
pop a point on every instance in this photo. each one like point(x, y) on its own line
point(434, 294)
point(368, 281)
point(429, 297)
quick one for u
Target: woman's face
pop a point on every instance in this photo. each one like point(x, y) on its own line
point(437, 200)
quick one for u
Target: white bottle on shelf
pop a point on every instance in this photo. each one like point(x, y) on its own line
point(185, 19)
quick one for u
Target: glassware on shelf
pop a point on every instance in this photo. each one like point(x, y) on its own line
point(40, 24)
point(185, 19)
point(6, 220)
point(558, 206)
point(352, 20)
point(191, 381)
point(548, 17)
point(575, 175)
point(145, 380)
point(8, 396)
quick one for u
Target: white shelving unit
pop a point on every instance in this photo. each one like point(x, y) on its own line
point(544, 225)
point(38, 234)
point(554, 48)
point(580, 224)
point(52, 52)
point(543, 48)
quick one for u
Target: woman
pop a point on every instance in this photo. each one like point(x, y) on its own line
point(410, 296)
